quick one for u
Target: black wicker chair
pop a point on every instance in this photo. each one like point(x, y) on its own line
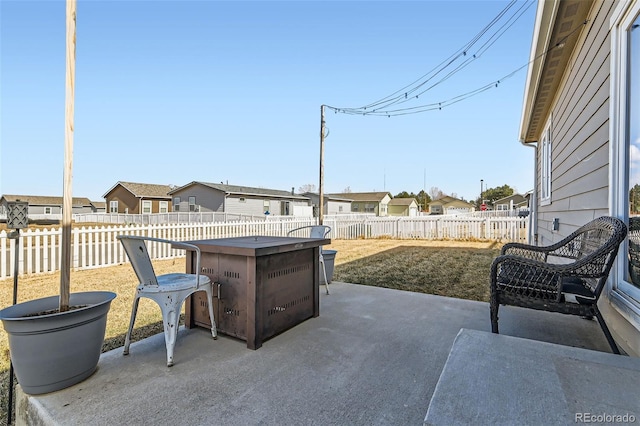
point(566, 277)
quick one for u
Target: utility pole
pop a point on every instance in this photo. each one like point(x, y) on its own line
point(321, 186)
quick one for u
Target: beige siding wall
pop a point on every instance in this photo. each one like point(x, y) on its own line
point(579, 121)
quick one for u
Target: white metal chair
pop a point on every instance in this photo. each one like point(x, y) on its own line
point(316, 231)
point(169, 290)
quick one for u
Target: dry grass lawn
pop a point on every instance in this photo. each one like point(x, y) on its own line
point(447, 268)
point(444, 268)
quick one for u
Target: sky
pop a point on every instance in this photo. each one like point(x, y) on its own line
point(170, 92)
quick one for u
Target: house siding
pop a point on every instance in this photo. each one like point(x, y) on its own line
point(333, 207)
point(581, 151)
point(125, 199)
point(580, 134)
point(209, 199)
point(250, 206)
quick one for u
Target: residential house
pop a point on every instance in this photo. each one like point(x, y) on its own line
point(99, 206)
point(450, 205)
point(512, 202)
point(332, 204)
point(580, 116)
point(368, 202)
point(403, 207)
point(138, 198)
point(218, 197)
point(40, 205)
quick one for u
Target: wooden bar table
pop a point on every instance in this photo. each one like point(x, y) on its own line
point(262, 285)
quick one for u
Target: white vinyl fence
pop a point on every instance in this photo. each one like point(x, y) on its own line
point(94, 247)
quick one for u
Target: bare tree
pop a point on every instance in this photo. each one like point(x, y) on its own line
point(347, 190)
point(436, 193)
point(307, 187)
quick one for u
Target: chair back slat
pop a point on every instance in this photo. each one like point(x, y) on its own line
point(138, 255)
point(319, 231)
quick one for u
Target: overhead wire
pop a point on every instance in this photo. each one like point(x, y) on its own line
point(442, 104)
point(461, 52)
point(408, 92)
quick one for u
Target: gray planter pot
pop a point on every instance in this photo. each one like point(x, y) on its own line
point(329, 257)
point(55, 351)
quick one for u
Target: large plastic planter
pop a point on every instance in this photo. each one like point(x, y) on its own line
point(55, 351)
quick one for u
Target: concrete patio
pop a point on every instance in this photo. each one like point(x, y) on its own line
point(373, 357)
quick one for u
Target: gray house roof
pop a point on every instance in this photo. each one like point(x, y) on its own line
point(43, 200)
point(143, 190)
point(244, 190)
point(517, 199)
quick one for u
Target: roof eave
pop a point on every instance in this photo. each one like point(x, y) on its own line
point(542, 32)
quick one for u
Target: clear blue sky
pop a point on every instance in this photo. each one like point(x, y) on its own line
point(169, 92)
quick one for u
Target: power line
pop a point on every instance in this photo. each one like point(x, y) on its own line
point(461, 52)
point(381, 107)
point(443, 104)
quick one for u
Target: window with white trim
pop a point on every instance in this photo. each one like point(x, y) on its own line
point(113, 206)
point(632, 144)
point(625, 146)
point(176, 204)
point(192, 204)
point(48, 210)
point(163, 207)
point(146, 206)
point(545, 167)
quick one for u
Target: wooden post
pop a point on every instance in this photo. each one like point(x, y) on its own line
point(67, 198)
point(321, 186)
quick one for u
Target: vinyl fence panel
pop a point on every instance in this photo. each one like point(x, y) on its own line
point(97, 246)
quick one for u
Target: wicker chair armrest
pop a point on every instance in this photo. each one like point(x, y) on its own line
point(526, 251)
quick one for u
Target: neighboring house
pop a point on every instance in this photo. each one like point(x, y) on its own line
point(217, 197)
point(512, 202)
point(99, 206)
point(332, 204)
point(580, 114)
point(403, 207)
point(138, 198)
point(40, 205)
point(368, 202)
point(450, 205)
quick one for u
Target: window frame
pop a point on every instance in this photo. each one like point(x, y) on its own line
point(192, 203)
point(625, 297)
point(113, 203)
point(546, 163)
point(148, 203)
point(163, 207)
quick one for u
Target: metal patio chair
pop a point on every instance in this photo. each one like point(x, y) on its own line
point(169, 290)
point(316, 231)
point(566, 277)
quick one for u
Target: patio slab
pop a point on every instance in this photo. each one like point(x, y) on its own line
point(372, 357)
point(503, 380)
